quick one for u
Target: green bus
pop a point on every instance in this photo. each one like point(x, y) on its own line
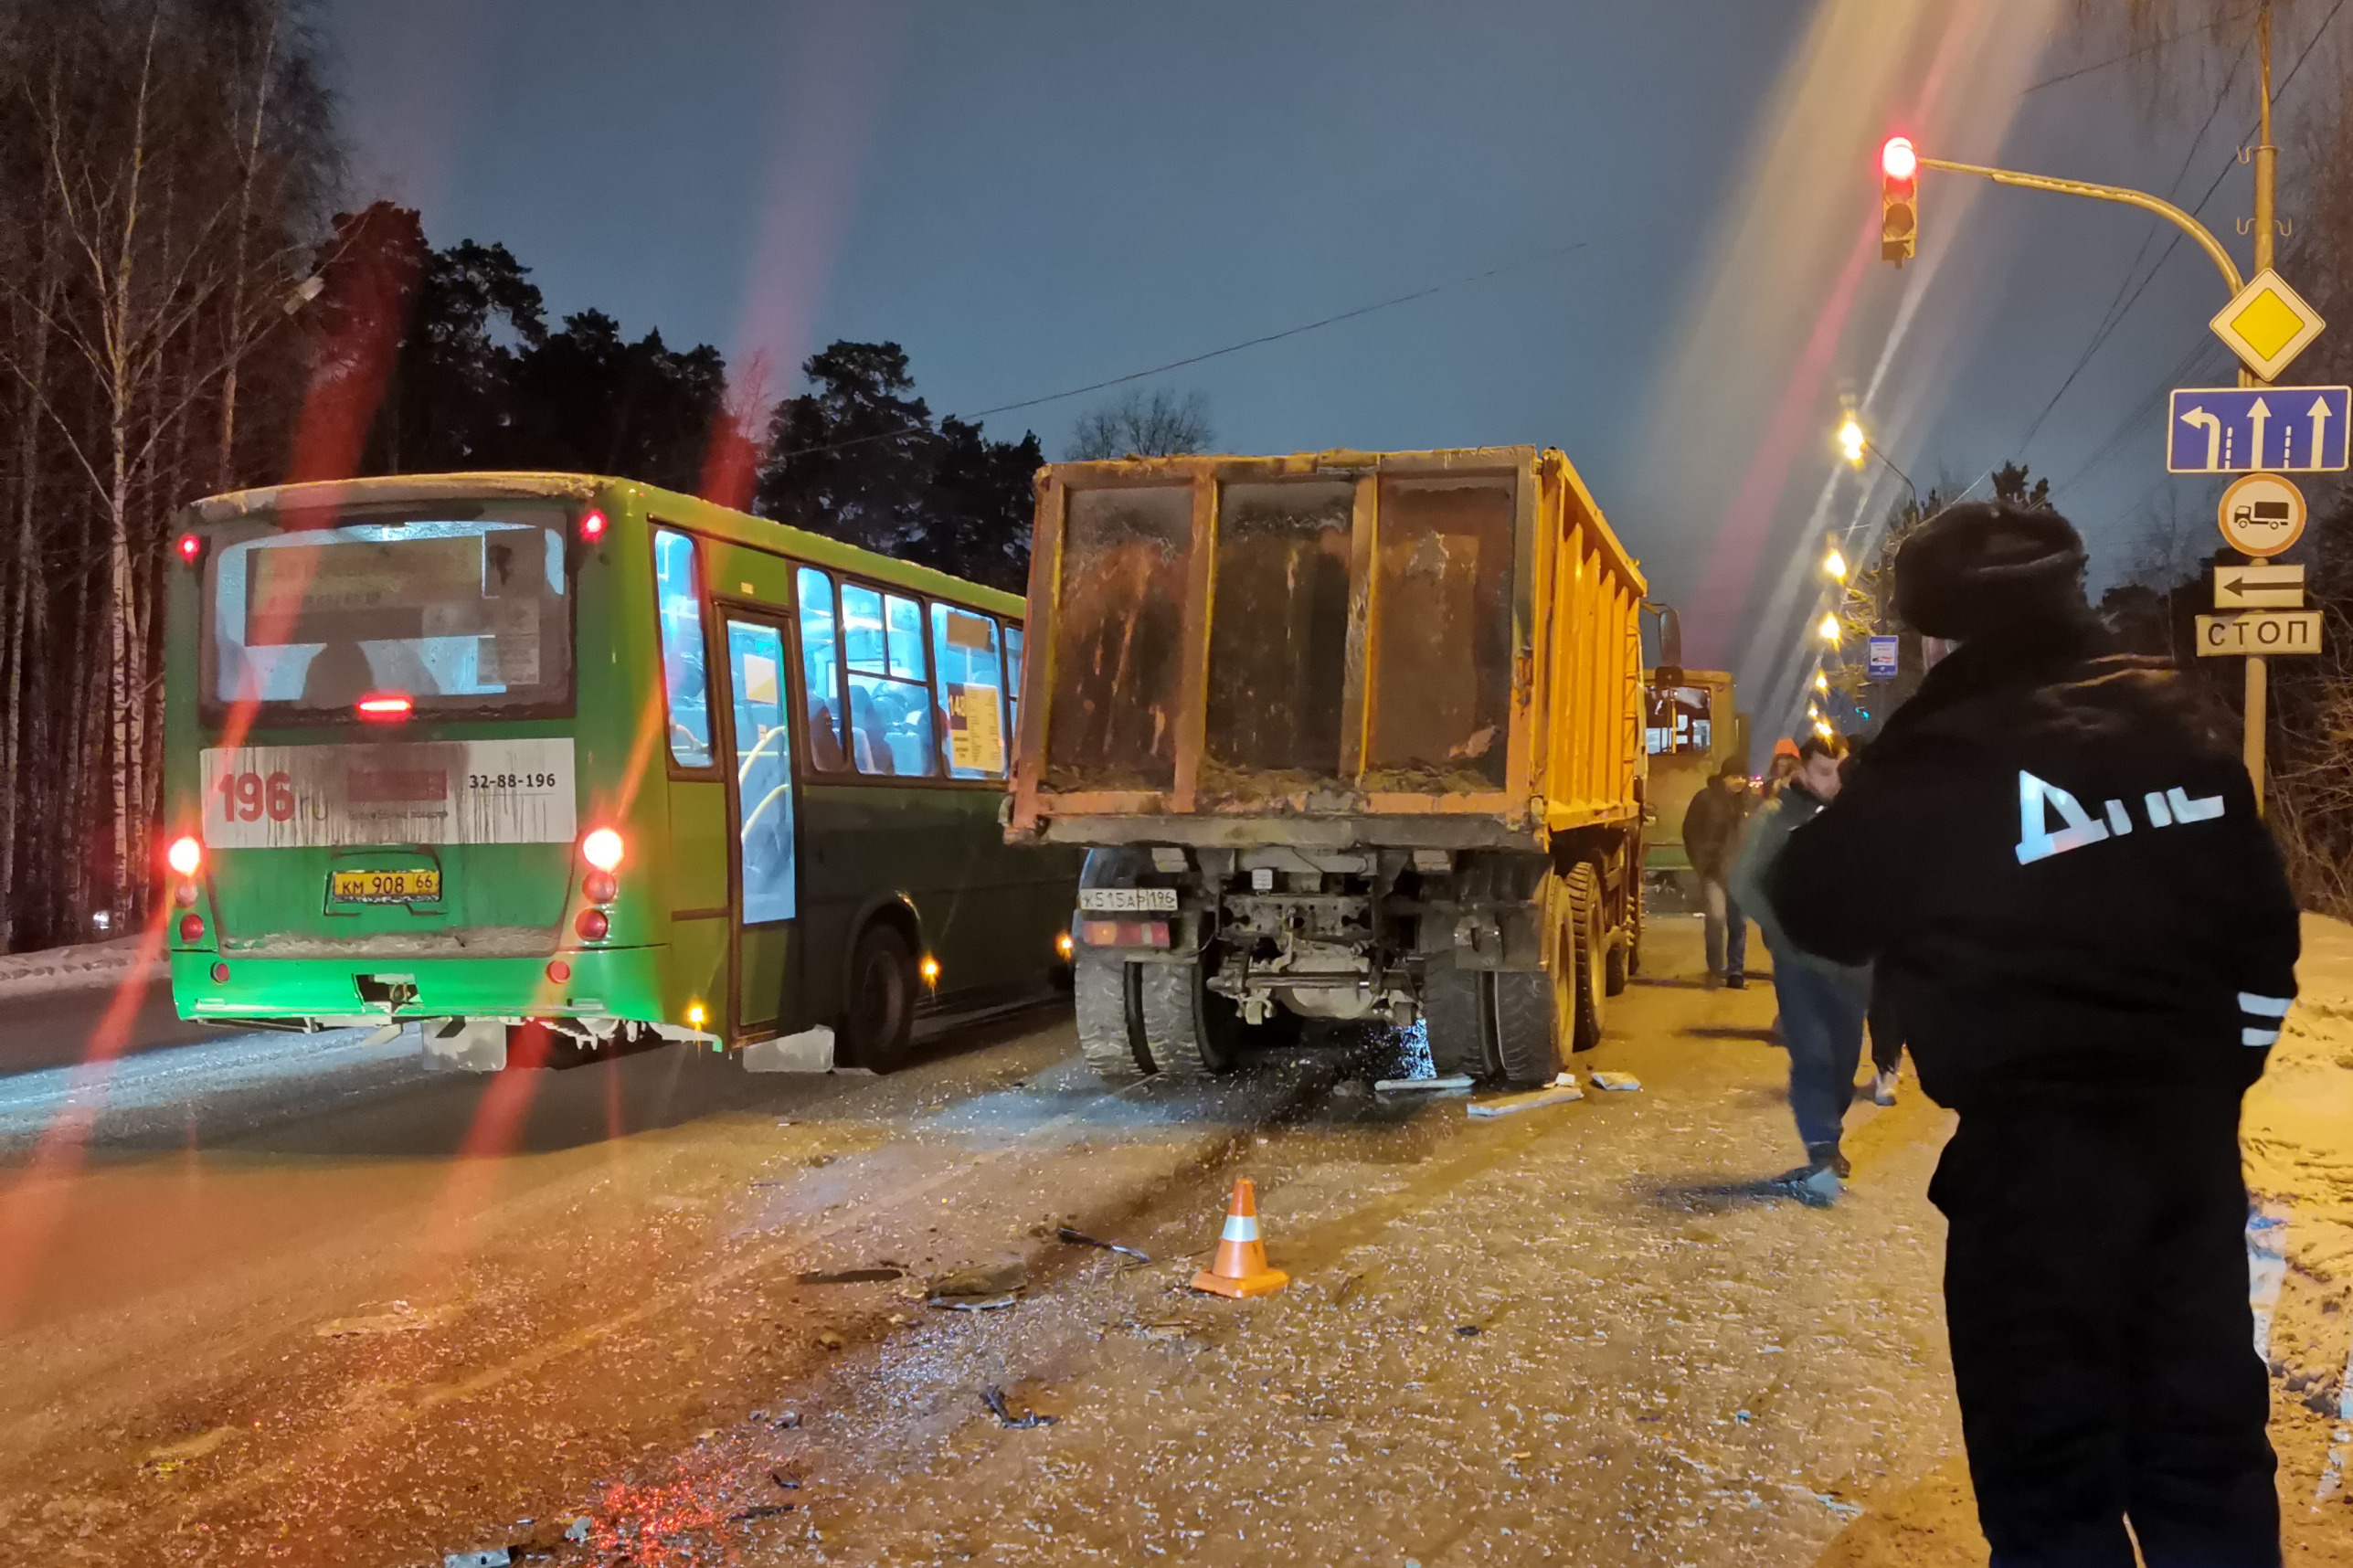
point(570, 766)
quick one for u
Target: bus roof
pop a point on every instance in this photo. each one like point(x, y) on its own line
point(665, 506)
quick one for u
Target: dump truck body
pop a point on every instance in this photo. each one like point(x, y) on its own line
point(1352, 735)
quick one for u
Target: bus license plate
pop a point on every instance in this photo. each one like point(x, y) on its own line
point(418, 887)
point(1123, 900)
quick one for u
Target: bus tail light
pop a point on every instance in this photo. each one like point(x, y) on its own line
point(592, 527)
point(191, 548)
point(930, 970)
point(186, 895)
point(386, 707)
point(602, 849)
point(600, 887)
point(593, 925)
point(192, 928)
point(1064, 946)
point(186, 853)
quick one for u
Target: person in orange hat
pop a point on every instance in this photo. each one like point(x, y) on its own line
point(1777, 771)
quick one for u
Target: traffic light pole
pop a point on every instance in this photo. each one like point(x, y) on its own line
point(2267, 161)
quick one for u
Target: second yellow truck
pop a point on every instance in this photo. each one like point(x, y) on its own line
point(1348, 734)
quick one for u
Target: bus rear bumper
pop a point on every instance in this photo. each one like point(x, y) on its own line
point(604, 983)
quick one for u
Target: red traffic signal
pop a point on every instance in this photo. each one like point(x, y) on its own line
point(1898, 200)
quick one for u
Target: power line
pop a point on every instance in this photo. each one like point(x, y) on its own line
point(1212, 353)
point(2109, 326)
point(2135, 53)
point(2114, 316)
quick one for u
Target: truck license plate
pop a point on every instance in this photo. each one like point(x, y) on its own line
point(1107, 900)
point(422, 885)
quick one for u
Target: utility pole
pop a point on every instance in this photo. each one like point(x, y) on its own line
point(2257, 698)
point(1900, 222)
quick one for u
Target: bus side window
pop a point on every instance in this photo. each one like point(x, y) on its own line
point(890, 695)
point(972, 691)
point(821, 671)
point(678, 601)
point(1012, 682)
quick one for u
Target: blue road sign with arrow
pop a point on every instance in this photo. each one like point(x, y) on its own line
point(2247, 430)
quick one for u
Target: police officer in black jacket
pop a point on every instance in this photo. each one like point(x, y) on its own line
point(2052, 859)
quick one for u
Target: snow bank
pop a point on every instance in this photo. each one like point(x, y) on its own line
point(2297, 1132)
point(90, 965)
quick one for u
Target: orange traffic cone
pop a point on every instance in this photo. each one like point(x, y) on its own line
point(1240, 1270)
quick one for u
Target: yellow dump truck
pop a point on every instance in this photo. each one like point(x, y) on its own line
point(1348, 734)
point(1693, 732)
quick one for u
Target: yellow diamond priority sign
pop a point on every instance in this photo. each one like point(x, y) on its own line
point(2267, 325)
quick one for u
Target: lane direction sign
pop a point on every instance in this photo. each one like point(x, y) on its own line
point(2264, 631)
point(2260, 514)
point(2241, 429)
point(2267, 325)
point(2259, 588)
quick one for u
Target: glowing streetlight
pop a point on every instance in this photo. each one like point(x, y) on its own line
point(1821, 683)
point(1835, 564)
point(1852, 443)
point(1828, 630)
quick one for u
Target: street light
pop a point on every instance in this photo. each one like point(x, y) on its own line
point(1828, 630)
point(1835, 564)
point(1821, 683)
point(1852, 443)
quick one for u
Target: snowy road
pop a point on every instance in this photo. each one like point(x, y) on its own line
point(290, 1300)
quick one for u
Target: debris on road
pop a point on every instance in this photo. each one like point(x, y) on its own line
point(1422, 1086)
point(995, 1398)
point(1080, 1238)
point(172, 1457)
point(402, 1320)
point(785, 1482)
point(849, 1275)
point(1173, 1329)
point(810, 1051)
point(497, 1557)
point(829, 1340)
point(1509, 1105)
point(1468, 1330)
point(765, 1511)
point(980, 1289)
point(1565, 1080)
point(1624, 1083)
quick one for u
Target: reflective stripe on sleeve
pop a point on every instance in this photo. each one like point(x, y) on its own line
point(2258, 1036)
point(2264, 1006)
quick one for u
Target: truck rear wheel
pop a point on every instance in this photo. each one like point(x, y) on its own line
point(1109, 1016)
point(1587, 968)
point(1495, 1024)
point(1190, 1031)
point(1454, 1014)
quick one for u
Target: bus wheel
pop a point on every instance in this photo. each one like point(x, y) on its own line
point(1110, 1016)
point(879, 1008)
point(1190, 1031)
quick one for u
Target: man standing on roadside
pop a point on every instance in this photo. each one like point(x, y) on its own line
point(1822, 1001)
point(2051, 857)
point(1711, 829)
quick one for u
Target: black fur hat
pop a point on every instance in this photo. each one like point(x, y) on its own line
point(1989, 570)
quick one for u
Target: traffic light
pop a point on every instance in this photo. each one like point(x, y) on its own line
point(1898, 200)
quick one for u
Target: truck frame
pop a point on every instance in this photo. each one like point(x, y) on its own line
point(1348, 735)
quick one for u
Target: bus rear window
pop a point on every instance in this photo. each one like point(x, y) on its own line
point(451, 614)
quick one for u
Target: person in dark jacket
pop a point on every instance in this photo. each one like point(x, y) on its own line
point(1712, 832)
point(2052, 859)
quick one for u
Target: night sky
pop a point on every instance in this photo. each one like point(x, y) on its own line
point(1034, 194)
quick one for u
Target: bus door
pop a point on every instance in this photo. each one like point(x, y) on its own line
point(759, 776)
